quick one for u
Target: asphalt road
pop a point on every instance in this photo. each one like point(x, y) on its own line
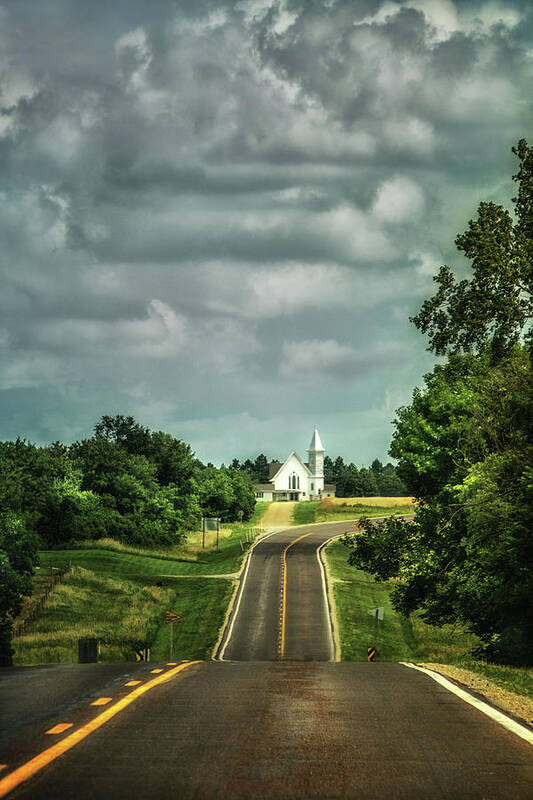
point(293, 730)
point(266, 722)
point(253, 633)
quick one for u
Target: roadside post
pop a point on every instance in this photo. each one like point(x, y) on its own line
point(378, 614)
point(170, 618)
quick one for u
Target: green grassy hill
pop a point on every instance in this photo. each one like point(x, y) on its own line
point(398, 638)
point(119, 594)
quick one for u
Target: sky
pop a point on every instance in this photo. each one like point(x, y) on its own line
point(218, 216)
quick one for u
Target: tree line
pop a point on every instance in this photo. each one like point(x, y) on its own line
point(350, 480)
point(465, 444)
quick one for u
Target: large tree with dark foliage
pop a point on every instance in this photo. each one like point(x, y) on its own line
point(465, 445)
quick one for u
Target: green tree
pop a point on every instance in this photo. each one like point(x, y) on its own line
point(18, 556)
point(261, 469)
point(494, 306)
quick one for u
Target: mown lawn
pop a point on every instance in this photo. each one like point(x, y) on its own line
point(125, 614)
point(398, 638)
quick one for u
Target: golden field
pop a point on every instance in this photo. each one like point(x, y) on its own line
point(382, 502)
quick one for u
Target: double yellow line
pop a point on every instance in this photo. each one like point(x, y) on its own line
point(30, 768)
point(283, 599)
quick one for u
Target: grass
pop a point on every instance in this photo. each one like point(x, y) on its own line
point(124, 614)
point(333, 509)
point(398, 638)
point(515, 679)
point(304, 513)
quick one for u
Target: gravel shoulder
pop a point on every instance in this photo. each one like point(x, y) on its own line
point(516, 704)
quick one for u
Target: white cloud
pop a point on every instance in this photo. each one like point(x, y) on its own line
point(398, 200)
point(313, 357)
point(160, 334)
point(446, 17)
point(134, 56)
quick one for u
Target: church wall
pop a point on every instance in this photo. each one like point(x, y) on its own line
point(293, 467)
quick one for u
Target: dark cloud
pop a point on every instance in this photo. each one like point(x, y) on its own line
point(221, 214)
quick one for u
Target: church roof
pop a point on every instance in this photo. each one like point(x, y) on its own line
point(316, 445)
point(273, 467)
point(297, 457)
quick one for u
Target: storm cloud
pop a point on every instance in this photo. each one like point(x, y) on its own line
point(218, 216)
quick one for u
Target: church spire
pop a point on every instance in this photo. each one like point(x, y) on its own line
point(316, 462)
point(316, 445)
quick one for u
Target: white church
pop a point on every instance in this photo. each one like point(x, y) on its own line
point(296, 480)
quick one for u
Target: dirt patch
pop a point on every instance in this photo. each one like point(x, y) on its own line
point(277, 515)
point(508, 701)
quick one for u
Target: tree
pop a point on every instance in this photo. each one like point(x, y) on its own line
point(465, 451)
point(495, 306)
point(329, 471)
point(261, 469)
point(124, 431)
point(18, 556)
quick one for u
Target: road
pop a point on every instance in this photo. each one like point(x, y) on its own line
point(254, 632)
point(265, 722)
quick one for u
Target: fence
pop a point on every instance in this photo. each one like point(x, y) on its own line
point(21, 627)
point(250, 535)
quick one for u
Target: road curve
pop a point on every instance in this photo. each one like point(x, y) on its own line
point(261, 611)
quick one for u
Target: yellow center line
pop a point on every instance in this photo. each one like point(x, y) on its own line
point(132, 683)
point(33, 766)
point(102, 701)
point(156, 670)
point(61, 728)
point(284, 593)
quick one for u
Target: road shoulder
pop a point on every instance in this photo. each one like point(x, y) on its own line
point(517, 705)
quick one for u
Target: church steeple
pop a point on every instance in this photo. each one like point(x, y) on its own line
point(316, 459)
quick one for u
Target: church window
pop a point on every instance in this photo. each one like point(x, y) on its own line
point(298, 481)
point(312, 486)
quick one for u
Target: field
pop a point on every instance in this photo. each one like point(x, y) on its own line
point(333, 509)
point(398, 639)
point(382, 502)
point(118, 594)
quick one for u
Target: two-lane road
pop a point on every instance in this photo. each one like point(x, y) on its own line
point(265, 607)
